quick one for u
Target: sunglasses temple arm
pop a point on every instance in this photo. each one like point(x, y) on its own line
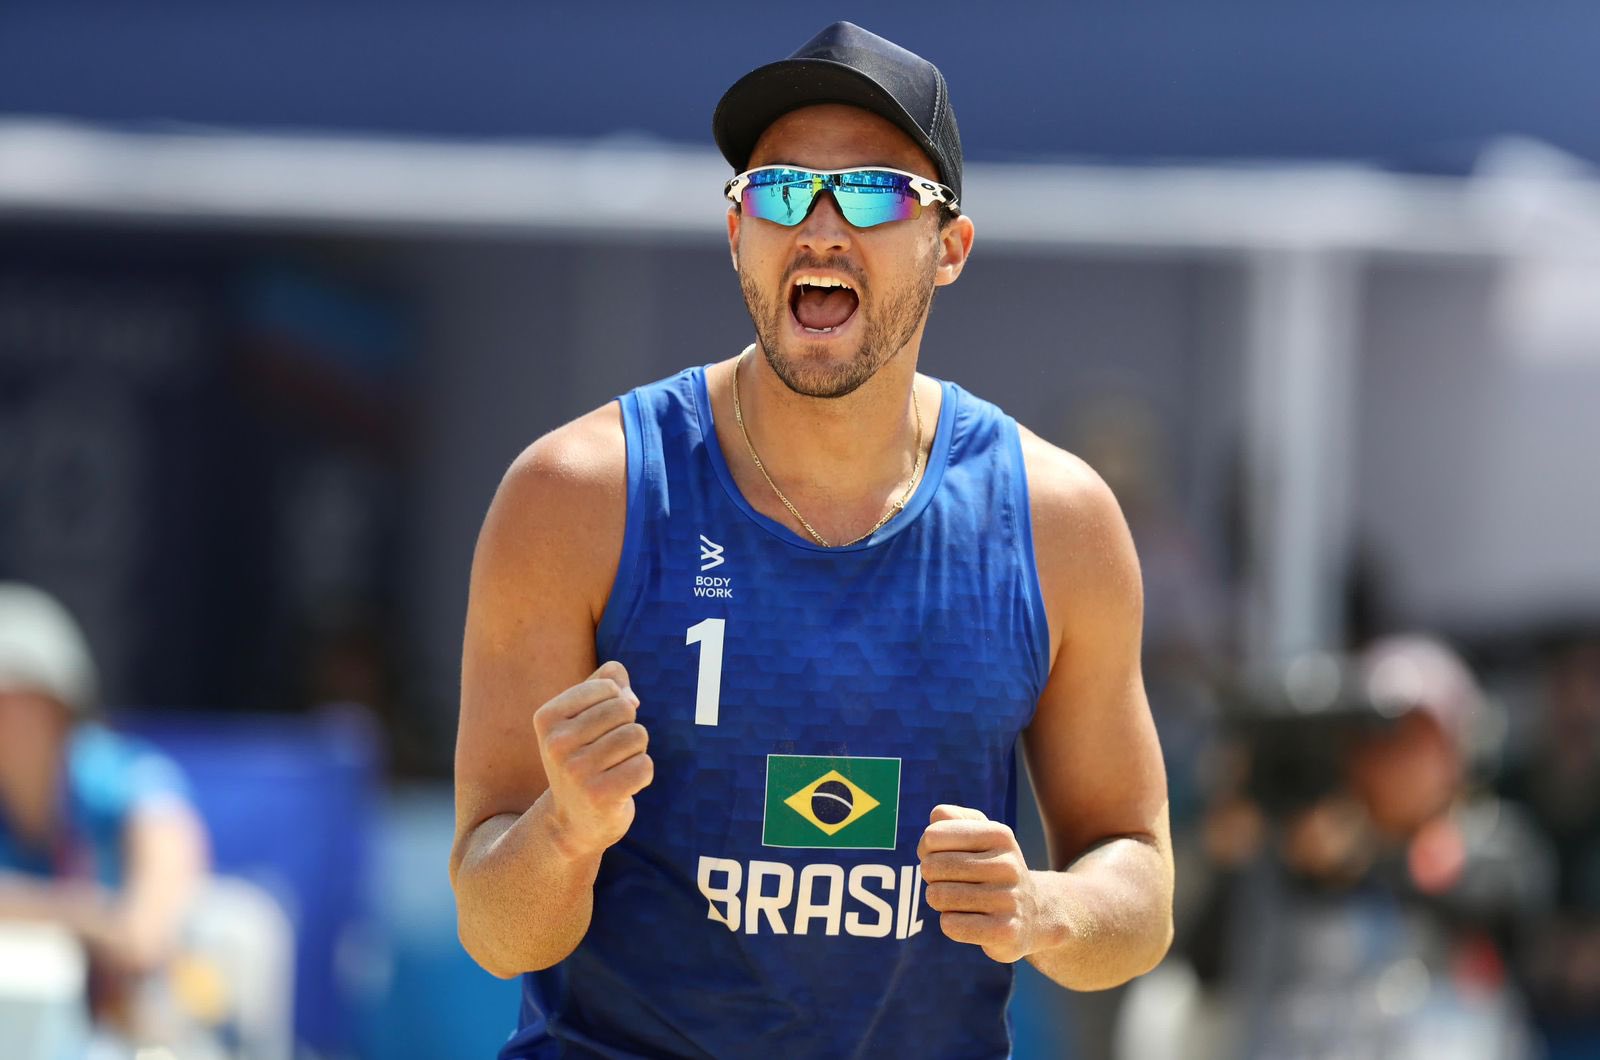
point(929, 193)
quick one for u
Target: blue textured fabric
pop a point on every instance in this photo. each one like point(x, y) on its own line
point(108, 777)
point(714, 933)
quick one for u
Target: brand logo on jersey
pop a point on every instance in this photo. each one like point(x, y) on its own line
point(831, 802)
point(710, 553)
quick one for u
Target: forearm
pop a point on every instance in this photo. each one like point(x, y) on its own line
point(167, 859)
point(137, 926)
point(1105, 919)
point(82, 908)
point(523, 896)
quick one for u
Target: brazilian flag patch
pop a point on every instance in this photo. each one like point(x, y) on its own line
point(831, 802)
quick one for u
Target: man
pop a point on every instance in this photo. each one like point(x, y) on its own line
point(96, 832)
point(828, 594)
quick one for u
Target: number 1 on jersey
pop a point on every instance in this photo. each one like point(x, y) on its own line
point(708, 692)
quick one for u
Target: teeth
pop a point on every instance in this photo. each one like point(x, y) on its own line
point(821, 281)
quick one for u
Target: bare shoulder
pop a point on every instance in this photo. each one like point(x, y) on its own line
point(1081, 543)
point(1073, 508)
point(542, 572)
point(561, 508)
point(588, 455)
point(1061, 481)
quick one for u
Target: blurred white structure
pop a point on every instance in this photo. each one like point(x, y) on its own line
point(241, 935)
point(235, 970)
point(1406, 364)
point(43, 973)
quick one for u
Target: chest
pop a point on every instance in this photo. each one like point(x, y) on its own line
point(740, 647)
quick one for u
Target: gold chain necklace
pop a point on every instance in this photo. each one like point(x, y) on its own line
point(894, 509)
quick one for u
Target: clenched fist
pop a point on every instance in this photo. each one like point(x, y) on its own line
point(594, 757)
point(979, 882)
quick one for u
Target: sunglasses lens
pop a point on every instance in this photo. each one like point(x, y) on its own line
point(780, 195)
point(873, 197)
point(866, 197)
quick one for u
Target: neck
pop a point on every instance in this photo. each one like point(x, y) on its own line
point(841, 461)
point(844, 443)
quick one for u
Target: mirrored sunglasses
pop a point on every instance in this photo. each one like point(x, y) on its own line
point(867, 196)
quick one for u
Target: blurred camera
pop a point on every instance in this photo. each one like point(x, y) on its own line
point(1299, 726)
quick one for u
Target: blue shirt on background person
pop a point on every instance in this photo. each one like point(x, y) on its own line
point(98, 840)
point(109, 777)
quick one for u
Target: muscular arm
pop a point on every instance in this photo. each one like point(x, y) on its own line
point(1102, 913)
point(1092, 754)
point(543, 568)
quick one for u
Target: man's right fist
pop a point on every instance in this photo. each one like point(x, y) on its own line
point(594, 757)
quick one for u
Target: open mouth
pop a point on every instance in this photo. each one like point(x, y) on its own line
point(822, 304)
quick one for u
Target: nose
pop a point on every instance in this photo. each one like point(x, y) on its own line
point(824, 228)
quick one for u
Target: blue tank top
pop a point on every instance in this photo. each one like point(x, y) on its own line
point(807, 708)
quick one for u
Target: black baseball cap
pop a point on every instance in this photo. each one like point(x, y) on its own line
point(844, 64)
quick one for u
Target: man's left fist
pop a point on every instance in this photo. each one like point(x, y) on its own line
point(978, 882)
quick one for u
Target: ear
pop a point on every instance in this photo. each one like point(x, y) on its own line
point(955, 243)
point(734, 220)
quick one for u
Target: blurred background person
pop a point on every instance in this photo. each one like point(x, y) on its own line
point(96, 832)
point(1369, 896)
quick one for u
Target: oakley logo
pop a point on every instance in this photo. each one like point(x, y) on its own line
point(710, 553)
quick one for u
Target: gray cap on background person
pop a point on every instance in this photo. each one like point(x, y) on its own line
point(43, 650)
point(1411, 671)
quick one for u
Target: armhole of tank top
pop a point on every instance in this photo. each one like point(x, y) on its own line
point(624, 586)
point(1027, 559)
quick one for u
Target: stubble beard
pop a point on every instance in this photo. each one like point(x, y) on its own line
point(885, 331)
